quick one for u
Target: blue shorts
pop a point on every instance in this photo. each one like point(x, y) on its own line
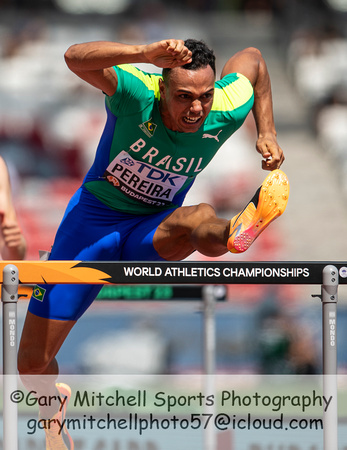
point(91, 231)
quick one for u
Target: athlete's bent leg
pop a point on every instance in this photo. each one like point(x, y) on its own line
point(191, 228)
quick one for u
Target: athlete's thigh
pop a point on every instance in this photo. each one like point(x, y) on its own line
point(89, 230)
point(138, 245)
point(85, 234)
point(164, 236)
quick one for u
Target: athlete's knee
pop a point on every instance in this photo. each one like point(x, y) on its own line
point(209, 236)
point(202, 215)
point(204, 212)
point(31, 361)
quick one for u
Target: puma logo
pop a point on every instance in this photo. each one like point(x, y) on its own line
point(210, 136)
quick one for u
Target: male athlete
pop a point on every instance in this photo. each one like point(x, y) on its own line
point(160, 133)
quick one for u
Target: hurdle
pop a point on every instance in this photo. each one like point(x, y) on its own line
point(328, 275)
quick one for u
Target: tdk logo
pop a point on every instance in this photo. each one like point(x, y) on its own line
point(127, 161)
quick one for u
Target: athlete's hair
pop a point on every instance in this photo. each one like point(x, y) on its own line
point(202, 56)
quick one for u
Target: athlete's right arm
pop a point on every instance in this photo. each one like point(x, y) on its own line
point(94, 61)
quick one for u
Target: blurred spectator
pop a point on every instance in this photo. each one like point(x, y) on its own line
point(12, 242)
point(140, 349)
point(317, 59)
point(330, 126)
point(285, 346)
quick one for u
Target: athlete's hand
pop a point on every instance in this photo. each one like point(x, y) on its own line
point(272, 153)
point(11, 232)
point(168, 53)
point(13, 243)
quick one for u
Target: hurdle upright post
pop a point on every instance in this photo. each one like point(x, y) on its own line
point(209, 300)
point(9, 298)
point(329, 316)
point(209, 349)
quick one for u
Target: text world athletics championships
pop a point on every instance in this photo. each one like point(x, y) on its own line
point(216, 272)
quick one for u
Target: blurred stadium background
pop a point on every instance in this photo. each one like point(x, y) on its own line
point(50, 123)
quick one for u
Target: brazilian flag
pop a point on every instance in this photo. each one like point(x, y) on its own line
point(148, 127)
point(39, 293)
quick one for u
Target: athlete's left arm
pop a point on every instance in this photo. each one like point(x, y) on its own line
point(250, 63)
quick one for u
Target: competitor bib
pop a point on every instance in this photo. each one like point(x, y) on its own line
point(143, 182)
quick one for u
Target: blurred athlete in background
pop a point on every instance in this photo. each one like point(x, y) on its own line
point(12, 241)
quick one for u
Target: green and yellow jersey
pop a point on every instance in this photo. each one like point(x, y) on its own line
point(142, 167)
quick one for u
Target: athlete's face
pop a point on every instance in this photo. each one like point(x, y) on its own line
point(187, 98)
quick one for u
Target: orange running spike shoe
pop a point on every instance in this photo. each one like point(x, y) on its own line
point(268, 203)
point(57, 435)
